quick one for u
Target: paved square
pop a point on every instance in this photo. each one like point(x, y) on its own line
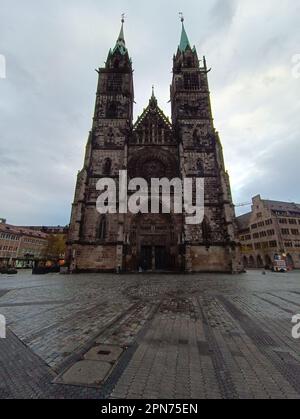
point(178, 336)
point(87, 372)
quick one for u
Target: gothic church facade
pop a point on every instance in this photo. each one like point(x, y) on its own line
point(153, 147)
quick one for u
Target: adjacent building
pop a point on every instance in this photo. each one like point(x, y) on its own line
point(57, 236)
point(272, 228)
point(20, 246)
point(55, 230)
point(153, 147)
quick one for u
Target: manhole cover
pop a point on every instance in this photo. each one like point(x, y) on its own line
point(104, 353)
point(86, 373)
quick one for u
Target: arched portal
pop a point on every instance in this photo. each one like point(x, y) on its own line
point(259, 262)
point(290, 261)
point(245, 262)
point(251, 262)
point(268, 261)
point(153, 243)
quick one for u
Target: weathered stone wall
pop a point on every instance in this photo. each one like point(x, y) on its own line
point(153, 148)
point(95, 258)
point(213, 259)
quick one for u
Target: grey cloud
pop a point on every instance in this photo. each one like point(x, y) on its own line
point(223, 11)
point(47, 100)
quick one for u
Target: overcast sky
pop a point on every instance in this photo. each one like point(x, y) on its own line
point(52, 48)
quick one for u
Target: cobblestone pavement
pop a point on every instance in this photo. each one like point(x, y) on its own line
point(198, 336)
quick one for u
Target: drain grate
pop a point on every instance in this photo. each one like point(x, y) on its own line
point(104, 352)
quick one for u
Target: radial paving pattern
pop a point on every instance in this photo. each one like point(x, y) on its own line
point(199, 336)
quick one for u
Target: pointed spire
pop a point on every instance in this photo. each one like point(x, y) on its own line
point(153, 100)
point(184, 40)
point(121, 38)
point(120, 44)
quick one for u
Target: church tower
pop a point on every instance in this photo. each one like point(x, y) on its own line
point(211, 246)
point(96, 241)
point(154, 147)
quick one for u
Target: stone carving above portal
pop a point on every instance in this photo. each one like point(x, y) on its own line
point(154, 169)
point(154, 162)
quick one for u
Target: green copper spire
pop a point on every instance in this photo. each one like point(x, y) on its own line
point(121, 38)
point(184, 40)
point(120, 44)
